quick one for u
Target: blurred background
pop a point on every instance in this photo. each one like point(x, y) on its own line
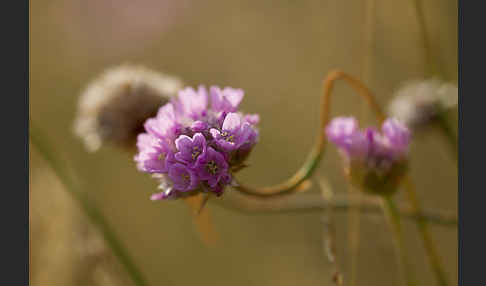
point(278, 52)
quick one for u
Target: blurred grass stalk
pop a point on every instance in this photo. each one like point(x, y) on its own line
point(354, 218)
point(329, 232)
point(391, 212)
point(37, 139)
point(430, 247)
point(434, 67)
point(354, 223)
point(449, 134)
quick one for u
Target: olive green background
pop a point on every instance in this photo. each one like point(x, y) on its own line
point(278, 52)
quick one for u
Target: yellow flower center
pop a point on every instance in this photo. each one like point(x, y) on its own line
point(227, 138)
point(185, 177)
point(195, 152)
point(212, 167)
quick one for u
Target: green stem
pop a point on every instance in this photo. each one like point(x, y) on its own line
point(354, 221)
point(429, 245)
point(448, 133)
point(96, 217)
point(393, 216)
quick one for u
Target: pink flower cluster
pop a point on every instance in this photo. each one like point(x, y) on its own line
point(374, 160)
point(196, 141)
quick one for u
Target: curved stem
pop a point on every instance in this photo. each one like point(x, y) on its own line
point(429, 245)
point(291, 185)
point(393, 216)
point(89, 209)
point(315, 203)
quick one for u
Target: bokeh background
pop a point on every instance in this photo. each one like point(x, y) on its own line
point(278, 52)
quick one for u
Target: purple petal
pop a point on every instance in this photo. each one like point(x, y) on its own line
point(216, 98)
point(183, 142)
point(190, 148)
point(199, 126)
point(152, 155)
point(193, 103)
point(253, 119)
point(215, 133)
point(341, 128)
point(166, 194)
point(182, 177)
point(226, 100)
point(232, 122)
point(211, 158)
point(165, 124)
point(397, 134)
point(233, 95)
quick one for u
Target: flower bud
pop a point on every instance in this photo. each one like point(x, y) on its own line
point(374, 161)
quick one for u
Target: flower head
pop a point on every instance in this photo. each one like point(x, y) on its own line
point(191, 145)
point(115, 105)
point(374, 160)
point(420, 103)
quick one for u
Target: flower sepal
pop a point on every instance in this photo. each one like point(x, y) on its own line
point(373, 182)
